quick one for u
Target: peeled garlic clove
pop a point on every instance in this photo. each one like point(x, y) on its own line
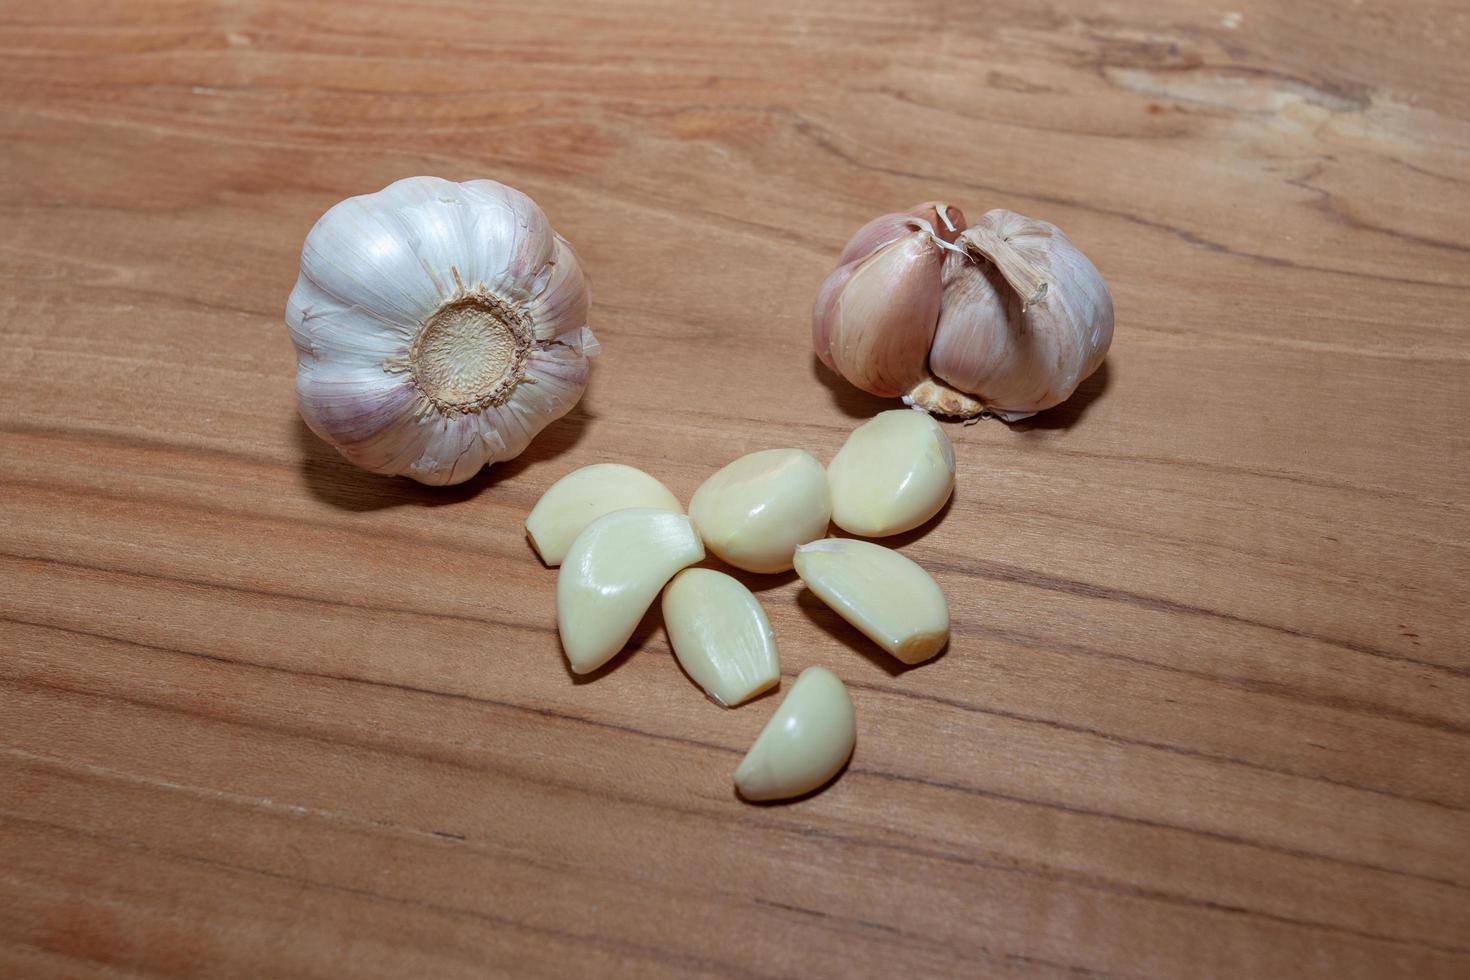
point(890, 599)
point(584, 495)
point(806, 742)
point(894, 473)
point(946, 221)
point(438, 327)
point(875, 317)
point(754, 512)
point(611, 575)
point(721, 635)
point(1022, 324)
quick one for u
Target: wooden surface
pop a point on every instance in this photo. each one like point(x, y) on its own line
point(1207, 707)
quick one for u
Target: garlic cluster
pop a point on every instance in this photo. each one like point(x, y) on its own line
point(1006, 317)
point(438, 327)
point(620, 537)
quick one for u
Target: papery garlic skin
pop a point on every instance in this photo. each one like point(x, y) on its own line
point(439, 326)
point(893, 601)
point(875, 315)
point(806, 742)
point(946, 220)
point(753, 512)
point(894, 473)
point(1021, 325)
point(720, 635)
point(584, 495)
point(612, 573)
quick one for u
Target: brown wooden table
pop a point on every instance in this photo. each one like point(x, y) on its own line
point(1207, 707)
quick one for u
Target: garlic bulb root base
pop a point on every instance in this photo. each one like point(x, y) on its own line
point(938, 398)
point(470, 353)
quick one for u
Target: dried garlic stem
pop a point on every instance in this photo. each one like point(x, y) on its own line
point(1025, 277)
point(942, 209)
point(937, 238)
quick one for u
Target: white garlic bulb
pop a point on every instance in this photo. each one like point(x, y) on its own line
point(1015, 320)
point(438, 327)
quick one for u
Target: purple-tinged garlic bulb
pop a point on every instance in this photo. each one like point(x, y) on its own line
point(438, 327)
point(1015, 319)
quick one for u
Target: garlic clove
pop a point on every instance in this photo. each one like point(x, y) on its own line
point(583, 342)
point(893, 601)
point(875, 327)
point(823, 320)
point(721, 635)
point(755, 511)
point(515, 241)
point(438, 327)
point(357, 254)
point(560, 308)
point(1022, 325)
point(806, 742)
point(946, 221)
point(894, 473)
point(611, 575)
point(584, 495)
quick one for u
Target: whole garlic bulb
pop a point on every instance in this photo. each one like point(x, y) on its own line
point(1015, 320)
point(438, 326)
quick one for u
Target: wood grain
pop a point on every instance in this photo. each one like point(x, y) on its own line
point(1207, 707)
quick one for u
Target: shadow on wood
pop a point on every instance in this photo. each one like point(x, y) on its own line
point(858, 404)
point(904, 538)
point(754, 581)
point(795, 799)
point(850, 401)
point(851, 637)
point(1070, 412)
point(330, 478)
point(648, 627)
